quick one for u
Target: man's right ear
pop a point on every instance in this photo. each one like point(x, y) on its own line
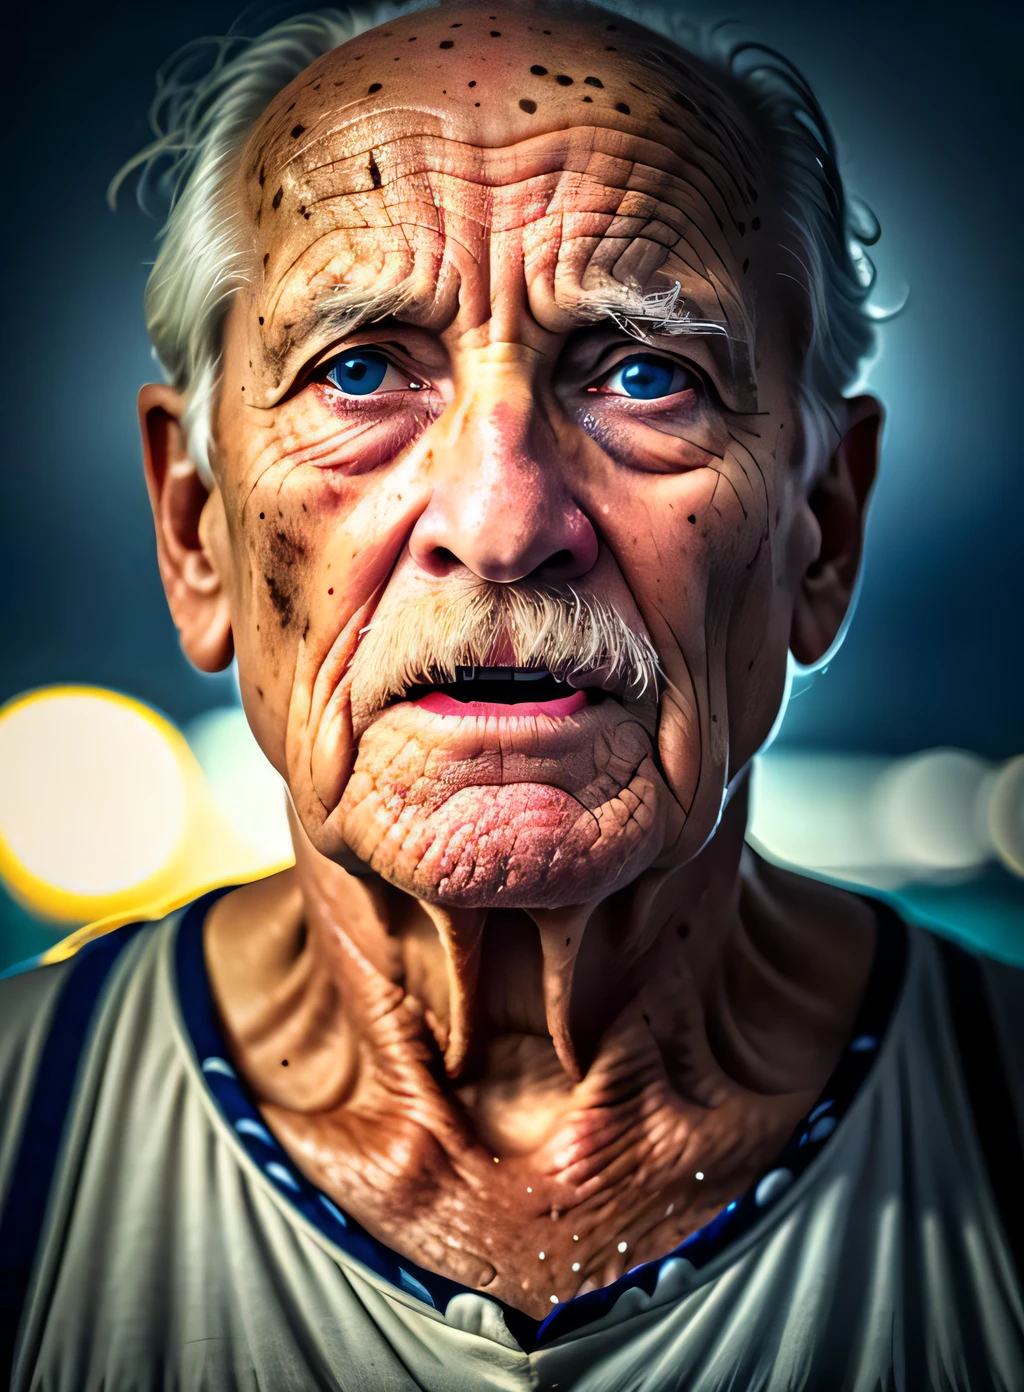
point(184, 514)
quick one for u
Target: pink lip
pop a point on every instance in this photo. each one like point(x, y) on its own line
point(439, 704)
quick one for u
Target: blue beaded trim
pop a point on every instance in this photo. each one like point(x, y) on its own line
point(698, 1249)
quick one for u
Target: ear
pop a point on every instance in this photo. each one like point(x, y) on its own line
point(183, 512)
point(838, 502)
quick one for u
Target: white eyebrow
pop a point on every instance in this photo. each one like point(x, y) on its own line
point(643, 316)
point(345, 308)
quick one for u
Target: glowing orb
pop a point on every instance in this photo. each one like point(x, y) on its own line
point(94, 797)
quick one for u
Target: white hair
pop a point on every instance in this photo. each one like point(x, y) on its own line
point(211, 93)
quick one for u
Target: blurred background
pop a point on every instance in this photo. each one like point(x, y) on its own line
point(898, 768)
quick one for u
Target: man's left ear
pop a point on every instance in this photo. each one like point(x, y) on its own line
point(838, 501)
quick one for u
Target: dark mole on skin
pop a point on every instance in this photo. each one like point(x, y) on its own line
point(538, 71)
point(282, 602)
point(297, 131)
point(447, 43)
point(526, 105)
point(593, 82)
point(266, 257)
point(621, 106)
point(691, 518)
point(276, 201)
point(563, 81)
point(373, 87)
point(259, 689)
point(263, 175)
point(374, 171)
point(589, 99)
point(495, 33)
point(261, 318)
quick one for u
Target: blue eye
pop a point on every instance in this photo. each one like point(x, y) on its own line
point(644, 377)
point(359, 374)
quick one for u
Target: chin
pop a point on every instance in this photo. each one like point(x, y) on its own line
point(511, 845)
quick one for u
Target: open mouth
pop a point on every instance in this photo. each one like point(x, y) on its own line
point(509, 691)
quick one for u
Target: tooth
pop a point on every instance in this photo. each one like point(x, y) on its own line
point(494, 673)
point(465, 673)
point(530, 673)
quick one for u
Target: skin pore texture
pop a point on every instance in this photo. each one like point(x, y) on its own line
point(525, 981)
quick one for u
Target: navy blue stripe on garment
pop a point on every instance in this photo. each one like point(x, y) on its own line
point(21, 1222)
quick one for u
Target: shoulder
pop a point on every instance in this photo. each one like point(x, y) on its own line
point(1002, 986)
point(28, 1001)
point(47, 1009)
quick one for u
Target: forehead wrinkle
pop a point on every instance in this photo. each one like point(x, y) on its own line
point(499, 166)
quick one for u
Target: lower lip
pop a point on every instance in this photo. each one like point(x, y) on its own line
point(438, 704)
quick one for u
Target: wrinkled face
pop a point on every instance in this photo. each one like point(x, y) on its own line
point(433, 402)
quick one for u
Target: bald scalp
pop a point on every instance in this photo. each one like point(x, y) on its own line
point(403, 163)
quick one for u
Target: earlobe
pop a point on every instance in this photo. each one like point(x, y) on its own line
point(182, 517)
point(836, 508)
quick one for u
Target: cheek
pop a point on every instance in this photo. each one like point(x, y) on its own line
point(695, 552)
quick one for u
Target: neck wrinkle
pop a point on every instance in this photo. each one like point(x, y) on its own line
point(702, 963)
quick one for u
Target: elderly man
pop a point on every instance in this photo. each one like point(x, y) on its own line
point(506, 448)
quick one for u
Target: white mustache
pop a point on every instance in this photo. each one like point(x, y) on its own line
point(526, 625)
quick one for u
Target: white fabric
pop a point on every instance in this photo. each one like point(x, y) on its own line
point(169, 1261)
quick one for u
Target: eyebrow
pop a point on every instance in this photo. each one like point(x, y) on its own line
point(341, 309)
point(649, 316)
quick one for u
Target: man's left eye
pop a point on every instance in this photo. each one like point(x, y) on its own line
point(366, 371)
point(644, 377)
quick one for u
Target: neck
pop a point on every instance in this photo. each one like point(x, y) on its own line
point(731, 971)
point(601, 1055)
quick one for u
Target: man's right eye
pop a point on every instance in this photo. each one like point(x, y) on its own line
point(365, 371)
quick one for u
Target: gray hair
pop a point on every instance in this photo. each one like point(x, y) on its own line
point(211, 93)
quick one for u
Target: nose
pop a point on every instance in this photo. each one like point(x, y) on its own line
point(500, 503)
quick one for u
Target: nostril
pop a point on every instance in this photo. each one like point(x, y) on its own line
point(560, 559)
point(446, 557)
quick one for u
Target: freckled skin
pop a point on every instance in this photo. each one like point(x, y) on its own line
point(481, 185)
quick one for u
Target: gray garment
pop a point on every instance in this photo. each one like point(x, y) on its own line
point(170, 1261)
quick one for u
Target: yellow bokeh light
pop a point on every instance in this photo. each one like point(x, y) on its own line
point(105, 812)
